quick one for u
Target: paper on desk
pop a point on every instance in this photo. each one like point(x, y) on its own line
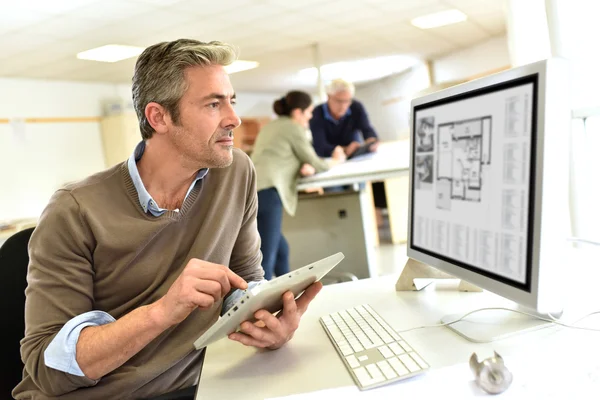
point(553, 381)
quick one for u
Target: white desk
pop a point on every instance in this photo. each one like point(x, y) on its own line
point(309, 362)
point(325, 224)
point(389, 161)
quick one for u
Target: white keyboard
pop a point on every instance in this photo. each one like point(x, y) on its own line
point(371, 350)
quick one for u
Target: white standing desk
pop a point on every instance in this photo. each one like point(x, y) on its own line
point(332, 222)
point(309, 361)
point(389, 161)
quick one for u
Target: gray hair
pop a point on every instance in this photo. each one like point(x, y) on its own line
point(340, 85)
point(159, 74)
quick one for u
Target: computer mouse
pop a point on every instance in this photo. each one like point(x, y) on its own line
point(491, 374)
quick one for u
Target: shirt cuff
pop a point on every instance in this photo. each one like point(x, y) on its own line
point(61, 352)
point(237, 294)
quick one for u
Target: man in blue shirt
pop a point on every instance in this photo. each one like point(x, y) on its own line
point(341, 121)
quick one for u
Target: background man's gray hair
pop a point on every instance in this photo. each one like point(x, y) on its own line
point(159, 74)
point(340, 85)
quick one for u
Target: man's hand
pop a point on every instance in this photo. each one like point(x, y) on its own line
point(273, 332)
point(338, 154)
point(374, 144)
point(200, 285)
point(351, 148)
point(307, 170)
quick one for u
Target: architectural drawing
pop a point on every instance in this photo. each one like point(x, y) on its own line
point(463, 150)
point(424, 172)
point(425, 129)
point(517, 115)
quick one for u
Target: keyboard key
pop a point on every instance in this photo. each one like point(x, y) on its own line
point(346, 350)
point(363, 376)
point(387, 370)
point(353, 361)
point(337, 334)
point(385, 351)
point(372, 350)
point(395, 347)
point(419, 360)
point(386, 338)
point(375, 373)
point(405, 346)
point(356, 346)
point(409, 363)
point(398, 366)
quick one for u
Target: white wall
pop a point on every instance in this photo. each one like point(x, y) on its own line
point(36, 159)
point(483, 57)
point(248, 104)
point(387, 101)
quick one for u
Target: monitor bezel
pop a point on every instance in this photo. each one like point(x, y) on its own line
point(529, 295)
point(482, 91)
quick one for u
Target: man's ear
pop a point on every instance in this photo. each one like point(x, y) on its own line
point(158, 117)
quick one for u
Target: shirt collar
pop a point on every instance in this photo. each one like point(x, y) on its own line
point(146, 201)
point(329, 117)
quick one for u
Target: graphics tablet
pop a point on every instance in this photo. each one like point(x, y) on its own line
point(362, 150)
point(268, 296)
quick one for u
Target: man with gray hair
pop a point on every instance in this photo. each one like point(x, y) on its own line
point(129, 266)
point(341, 121)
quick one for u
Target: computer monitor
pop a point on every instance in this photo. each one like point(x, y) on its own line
point(489, 183)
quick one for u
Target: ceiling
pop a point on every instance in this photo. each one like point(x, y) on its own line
point(39, 38)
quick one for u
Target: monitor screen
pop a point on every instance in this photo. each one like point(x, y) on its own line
point(473, 186)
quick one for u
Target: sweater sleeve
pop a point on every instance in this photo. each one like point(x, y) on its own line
point(317, 128)
point(364, 124)
point(246, 257)
point(59, 288)
point(305, 152)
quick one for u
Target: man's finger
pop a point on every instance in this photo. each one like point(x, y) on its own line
point(236, 280)
point(208, 271)
point(309, 294)
point(289, 304)
point(209, 287)
point(247, 340)
point(271, 322)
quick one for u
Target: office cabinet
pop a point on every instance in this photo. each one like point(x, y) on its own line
point(120, 135)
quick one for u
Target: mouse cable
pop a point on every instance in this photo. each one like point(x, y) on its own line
point(551, 319)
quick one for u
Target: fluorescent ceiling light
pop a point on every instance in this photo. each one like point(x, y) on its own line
point(360, 70)
point(110, 53)
point(439, 19)
point(240, 65)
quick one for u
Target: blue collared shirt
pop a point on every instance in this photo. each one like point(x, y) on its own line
point(61, 352)
point(329, 117)
point(146, 201)
point(327, 132)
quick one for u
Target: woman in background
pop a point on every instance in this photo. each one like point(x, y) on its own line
point(283, 152)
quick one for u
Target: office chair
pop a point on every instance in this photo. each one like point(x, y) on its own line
point(14, 259)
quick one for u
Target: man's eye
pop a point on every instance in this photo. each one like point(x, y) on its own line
point(214, 105)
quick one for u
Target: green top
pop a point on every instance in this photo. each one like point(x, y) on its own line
point(280, 150)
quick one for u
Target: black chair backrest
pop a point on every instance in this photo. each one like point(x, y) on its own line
point(14, 260)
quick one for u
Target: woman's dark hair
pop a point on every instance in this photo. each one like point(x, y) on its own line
point(292, 100)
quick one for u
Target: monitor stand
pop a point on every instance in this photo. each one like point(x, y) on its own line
point(416, 276)
point(482, 327)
